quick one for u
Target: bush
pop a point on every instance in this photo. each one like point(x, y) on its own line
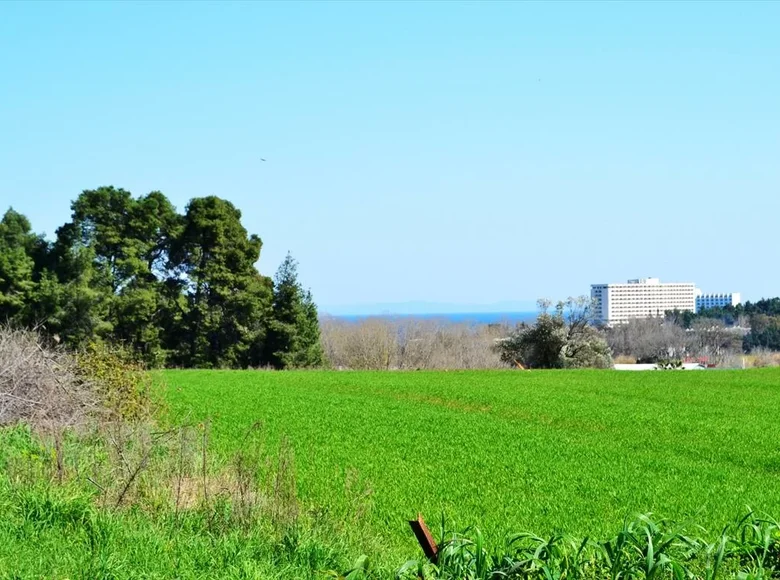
point(40, 385)
point(762, 357)
point(560, 339)
point(48, 387)
point(123, 385)
point(669, 364)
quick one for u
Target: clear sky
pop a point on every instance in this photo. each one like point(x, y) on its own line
point(466, 153)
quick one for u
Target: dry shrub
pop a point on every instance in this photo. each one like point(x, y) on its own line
point(121, 452)
point(41, 386)
point(652, 339)
point(174, 471)
point(369, 344)
point(761, 357)
point(49, 387)
point(734, 361)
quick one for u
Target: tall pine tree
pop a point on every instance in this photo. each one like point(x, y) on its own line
point(17, 264)
point(294, 331)
point(112, 258)
point(227, 301)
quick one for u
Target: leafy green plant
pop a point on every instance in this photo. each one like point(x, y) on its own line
point(122, 383)
point(643, 549)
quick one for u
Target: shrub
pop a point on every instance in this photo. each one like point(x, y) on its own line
point(409, 343)
point(47, 386)
point(669, 364)
point(40, 385)
point(762, 357)
point(563, 338)
point(123, 385)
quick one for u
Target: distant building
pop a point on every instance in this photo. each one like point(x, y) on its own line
point(641, 298)
point(704, 301)
point(649, 297)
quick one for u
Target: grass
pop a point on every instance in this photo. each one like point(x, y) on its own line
point(305, 471)
point(574, 452)
point(52, 529)
point(64, 536)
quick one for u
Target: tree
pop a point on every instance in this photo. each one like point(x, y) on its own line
point(648, 340)
point(294, 332)
point(17, 264)
point(682, 318)
point(227, 302)
point(99, 221)
point(178, 289)
point(764, 333)
point(141, 306)
point(587, 348)
point(711, 338)
point(76, 306)
point(129, 240)
point(564, 338)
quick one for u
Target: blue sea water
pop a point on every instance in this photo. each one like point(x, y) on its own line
point(510, 318)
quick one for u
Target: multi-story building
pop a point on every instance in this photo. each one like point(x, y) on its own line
point(704, 301)
point(641, 298)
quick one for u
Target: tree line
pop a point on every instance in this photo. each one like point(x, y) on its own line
point(762, 318)
point(178, 289)
point(409, 343)
point(566, 335)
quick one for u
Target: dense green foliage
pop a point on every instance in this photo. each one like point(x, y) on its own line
point(561, 339)
point(18, 249)
point(764, 332)
point(294, 335)
point(573, 451)
point(177, 289)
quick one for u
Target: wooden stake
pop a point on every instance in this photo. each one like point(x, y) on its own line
point(424, 538)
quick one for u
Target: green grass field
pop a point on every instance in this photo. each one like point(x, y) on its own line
point(575, 452)
point(508, 451)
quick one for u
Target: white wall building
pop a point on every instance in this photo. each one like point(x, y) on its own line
point(704, 301)
point(641, 298)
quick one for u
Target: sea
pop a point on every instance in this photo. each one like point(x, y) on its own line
point(510, 318)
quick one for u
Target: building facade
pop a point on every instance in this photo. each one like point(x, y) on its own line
point(641, 298)
point(704, 301)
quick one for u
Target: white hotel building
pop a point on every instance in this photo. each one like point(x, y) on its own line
point(647, 297)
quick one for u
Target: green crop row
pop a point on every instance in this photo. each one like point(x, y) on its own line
point(573, 452)
point(748, 549)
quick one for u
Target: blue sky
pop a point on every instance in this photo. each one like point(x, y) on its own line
point(463, 154)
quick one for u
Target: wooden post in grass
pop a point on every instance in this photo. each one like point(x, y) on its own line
point(424, 538)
